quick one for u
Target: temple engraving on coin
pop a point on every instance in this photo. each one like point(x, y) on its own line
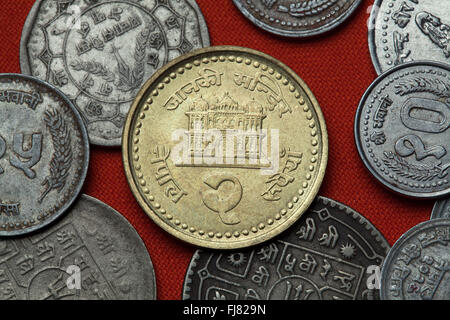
point(325, 256)
point(236, 132)
point(403, 143)
point(418, 264)
point(112, 261)
point(297, 18)
point(44, 154)
point(100, 53)
point(405, 31)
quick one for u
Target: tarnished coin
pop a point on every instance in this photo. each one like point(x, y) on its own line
point(441, 209)
point(297, 18)
point(402, 129)
point(44, 154)
point(93, 253)
point(418, 265)
point(331, 253)
point(405, 31)
point(101, 52)
point(225, 147)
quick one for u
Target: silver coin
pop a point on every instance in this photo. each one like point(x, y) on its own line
point(93, 253)
point(441, 209)
point(44, 154)
point(401, 129)
point(331, 253)
point(405, 31)
point(100, 52)
point(418, 265)
point(297, 18)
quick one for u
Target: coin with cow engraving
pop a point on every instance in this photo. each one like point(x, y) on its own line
point(304, 18)
point(404, 31)
point(100, 52)
point(44, 154)
point(225, 147)
point(93, 253)
point(441, 209)
point(418, 265)
point(402, 126)
point(331, 253)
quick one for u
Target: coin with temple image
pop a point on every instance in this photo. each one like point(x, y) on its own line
point(418, 265)
point(405, 31)
point(441, 209)
point(44, 154)
point(93, 253)
point(99, 53)
point(331, 253)
point(402, 127)
point(225, 147)
point(300, 19)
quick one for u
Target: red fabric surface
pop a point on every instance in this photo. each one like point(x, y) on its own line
point(337, 68)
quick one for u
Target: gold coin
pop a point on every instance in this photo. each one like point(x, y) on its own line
point(225, 147)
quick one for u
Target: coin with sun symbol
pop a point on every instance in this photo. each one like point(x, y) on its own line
point(348, 250)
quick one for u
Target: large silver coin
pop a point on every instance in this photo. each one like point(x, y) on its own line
point(331, 253)
point(297, 18)
point(403, 31)
point(441, 209)
point(100, 52)
point(402, 129)
point(44, 154)
point(91, 254)
point(418, 265)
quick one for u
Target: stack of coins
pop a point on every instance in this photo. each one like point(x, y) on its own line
point(224, 148)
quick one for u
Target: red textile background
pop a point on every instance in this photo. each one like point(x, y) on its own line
point(338, 69)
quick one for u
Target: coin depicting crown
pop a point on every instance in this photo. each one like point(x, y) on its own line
point(225, 147)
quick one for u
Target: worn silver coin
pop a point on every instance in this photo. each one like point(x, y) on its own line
point(418, 265)
point(44, 154)
point(304, 18)
point(100, 52)
point(441, 209)
point(402, 129)
point(331, 253)
point(93, 253)
point(405, 31)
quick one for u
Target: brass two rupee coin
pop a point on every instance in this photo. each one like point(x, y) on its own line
point(225, 147)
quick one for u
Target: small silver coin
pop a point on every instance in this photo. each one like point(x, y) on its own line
point(418, 265)
point(93, 253)
point(297, 18)
point(402, 126)
point(405, 31)
point(44, 154)
point(331, 253)
point(100, 52)
point(441, 209)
